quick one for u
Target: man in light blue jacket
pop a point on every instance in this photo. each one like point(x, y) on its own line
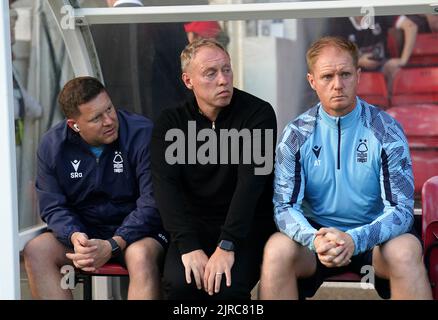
point(343, 190)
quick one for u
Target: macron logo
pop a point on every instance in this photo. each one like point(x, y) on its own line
point(76, 174)
point(76, 164)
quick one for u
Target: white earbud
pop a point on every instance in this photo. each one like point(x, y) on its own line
point(76, 127)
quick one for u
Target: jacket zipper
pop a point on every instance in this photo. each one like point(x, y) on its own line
point(213, 123)
point(339, 143)
point(97, 171)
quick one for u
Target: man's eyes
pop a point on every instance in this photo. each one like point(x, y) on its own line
point(99, 117)
point(213, 73)
point(344, 75)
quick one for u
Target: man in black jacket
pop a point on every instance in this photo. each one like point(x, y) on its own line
point(212, 177)
point(95, 194)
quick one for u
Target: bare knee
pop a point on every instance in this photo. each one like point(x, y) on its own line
point(280, 251)
point(44, 249)
point(144, 255)
point(402, 253)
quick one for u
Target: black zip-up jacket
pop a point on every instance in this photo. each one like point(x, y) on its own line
point(193, 196)
point(103, 197)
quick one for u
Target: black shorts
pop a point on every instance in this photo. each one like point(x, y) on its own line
point(307, 287)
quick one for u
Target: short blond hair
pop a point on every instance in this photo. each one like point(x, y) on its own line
point(189, 52)
point(337, 42)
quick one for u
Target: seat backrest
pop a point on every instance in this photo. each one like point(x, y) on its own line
point(419, 123)
point(429, 197)
point(425, 51)
point(430, 230)
point(372, 83)
point(417, 120)
point(415, 85)
point(372, 88)
point(394, 42)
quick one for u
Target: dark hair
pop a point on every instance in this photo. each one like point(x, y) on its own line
point(337, 42)
point(78, 91)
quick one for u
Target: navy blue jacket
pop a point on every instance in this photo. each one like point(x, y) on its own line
point(103, 197)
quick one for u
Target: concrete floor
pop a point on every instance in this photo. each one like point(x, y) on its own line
point(344, 291)
point(340, 291)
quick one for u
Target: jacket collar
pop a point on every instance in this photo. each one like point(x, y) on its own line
point(225, 111)
point(347, 121)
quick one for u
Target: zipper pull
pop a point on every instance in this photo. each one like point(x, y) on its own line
point(213, 125)
point(97, 160)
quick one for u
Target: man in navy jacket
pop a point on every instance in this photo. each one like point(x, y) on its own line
point(95, 194)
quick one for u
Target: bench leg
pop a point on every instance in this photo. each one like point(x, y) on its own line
point(88, 290)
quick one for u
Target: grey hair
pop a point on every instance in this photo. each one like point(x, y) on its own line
point(189, 52)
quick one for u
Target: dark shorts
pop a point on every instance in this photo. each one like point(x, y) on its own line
point(161, 237)
point(158, 234)
point(245, 271)
point(307, 287)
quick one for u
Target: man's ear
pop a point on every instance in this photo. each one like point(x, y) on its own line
point(311, 80)
point(359, 70)
point(73, 125)
point(187, 80)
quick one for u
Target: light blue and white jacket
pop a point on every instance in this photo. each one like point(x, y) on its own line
point(353, 173)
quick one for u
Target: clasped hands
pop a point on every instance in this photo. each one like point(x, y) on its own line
point(208, 272)
point(89, 254)
point(333, 247)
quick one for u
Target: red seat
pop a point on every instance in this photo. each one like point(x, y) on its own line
point(344, 277)
point(394, 42)
point(430, 231)
point(420, 123)
point(372, 88)
point(425, 52)
point(107, 270)
point(415, 85)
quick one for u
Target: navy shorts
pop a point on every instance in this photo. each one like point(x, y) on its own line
point(307, 287)
point(160, 235)
point(162, 238)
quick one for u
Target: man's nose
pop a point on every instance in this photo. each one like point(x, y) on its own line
point(223, 78)
point(107, 119)
point(337, 82)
